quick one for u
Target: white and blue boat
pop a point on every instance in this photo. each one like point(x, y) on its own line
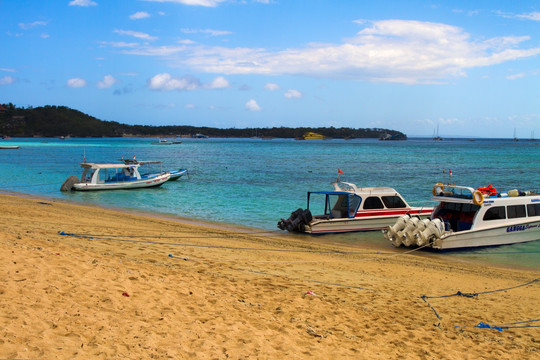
point(468, 217)
point(113, 177)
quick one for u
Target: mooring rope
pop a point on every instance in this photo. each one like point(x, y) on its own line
point(474, 295)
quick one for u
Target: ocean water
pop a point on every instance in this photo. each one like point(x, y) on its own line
point(255, 182)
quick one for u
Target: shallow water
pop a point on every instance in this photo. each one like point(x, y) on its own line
point(254, 182)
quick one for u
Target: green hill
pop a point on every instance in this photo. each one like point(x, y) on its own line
point(55, 121)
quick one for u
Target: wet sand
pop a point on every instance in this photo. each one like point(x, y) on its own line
point(133, 286)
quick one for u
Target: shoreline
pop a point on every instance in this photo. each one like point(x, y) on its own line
point(131, 285)
point(371, 245)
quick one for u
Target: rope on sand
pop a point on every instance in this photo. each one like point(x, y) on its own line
point(474, 295)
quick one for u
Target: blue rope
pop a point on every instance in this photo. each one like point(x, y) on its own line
point(473, 295)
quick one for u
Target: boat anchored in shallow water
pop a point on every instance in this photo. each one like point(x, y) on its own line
point(349, 208)
point(113, 177)
point(468, 217)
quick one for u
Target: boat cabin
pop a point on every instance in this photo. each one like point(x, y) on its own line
point(347, 201)
point(463, 208)
point(103, 173)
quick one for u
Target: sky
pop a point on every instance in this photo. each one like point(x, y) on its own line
point(468, 68)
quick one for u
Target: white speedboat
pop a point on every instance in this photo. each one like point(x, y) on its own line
point(112, 177)
point(467, 217)
point(349, 208)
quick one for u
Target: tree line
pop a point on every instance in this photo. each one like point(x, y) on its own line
point(56, 121)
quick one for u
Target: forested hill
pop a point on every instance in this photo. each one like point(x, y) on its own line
point(54, 121)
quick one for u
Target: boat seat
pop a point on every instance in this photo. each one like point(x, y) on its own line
point(337, 214)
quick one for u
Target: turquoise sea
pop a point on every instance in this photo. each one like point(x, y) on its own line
point(255, 182)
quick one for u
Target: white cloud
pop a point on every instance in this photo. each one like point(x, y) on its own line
point(136, 34)
point(293, 94)
point(189, 106)
point(76, 83)
point(7, 80)
point(27, 26)
point(206, 31)
point(166, 82)
point(82, 3)
point(219, 83)
point(398, 51)
point(139, 15)
point(534, 16)
point(8, 70)
point(272, 87)
point(107, 82)
point(252, 105)
point(206, 3)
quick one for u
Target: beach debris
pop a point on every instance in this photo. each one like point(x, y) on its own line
point(125, 294)
point(309, 292)
point(312, 332)
point(483, 325)
point(185, 258)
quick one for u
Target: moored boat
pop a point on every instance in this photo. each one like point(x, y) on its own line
point(112, 177)
point(466, 217)
point(8, 147)
point(348, 208)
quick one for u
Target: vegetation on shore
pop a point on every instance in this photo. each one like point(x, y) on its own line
point(54, 121)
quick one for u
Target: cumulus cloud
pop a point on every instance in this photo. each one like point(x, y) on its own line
point(167, 82)
point(84, 3)
point(293, 94)
point(400, 51)
point(76, 83)
point(206, 3)
point(252, 105)
point(219, 83)
point(139, 15)
point(136, 34)
point(107, 82)
point(271, 87)
point(7, 80)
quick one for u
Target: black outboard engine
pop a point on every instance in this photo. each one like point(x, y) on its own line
point(297, 221)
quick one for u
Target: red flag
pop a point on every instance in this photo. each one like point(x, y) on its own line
point(339, 171)
point(450, 171)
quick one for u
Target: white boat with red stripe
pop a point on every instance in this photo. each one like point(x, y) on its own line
point(349, 208)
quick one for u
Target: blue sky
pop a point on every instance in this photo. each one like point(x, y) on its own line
point(470, 67)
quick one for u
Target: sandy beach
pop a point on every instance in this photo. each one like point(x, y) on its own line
point(92, 283)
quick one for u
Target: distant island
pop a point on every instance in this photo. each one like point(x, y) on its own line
point(61, 121)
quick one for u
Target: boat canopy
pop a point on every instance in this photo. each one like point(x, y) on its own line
point(106, 166)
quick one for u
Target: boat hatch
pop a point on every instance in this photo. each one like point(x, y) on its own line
point(336, 204)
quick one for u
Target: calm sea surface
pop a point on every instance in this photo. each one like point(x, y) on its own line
point(254, 182)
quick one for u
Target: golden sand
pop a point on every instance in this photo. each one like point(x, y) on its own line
point(113, 292)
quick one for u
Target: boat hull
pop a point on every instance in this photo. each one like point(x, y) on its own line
point(502, 235)
point(359, 223)
point(123, 185)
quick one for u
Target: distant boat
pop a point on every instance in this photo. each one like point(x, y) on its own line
point(8, 147)
point(515, 138)
point(436, 137)
point(200, 136)
point(312, 136)
point(162, 142)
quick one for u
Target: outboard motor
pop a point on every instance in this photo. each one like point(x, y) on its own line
point(297, 221)
point(434, 229)
point(390, 233)
point(409, 226)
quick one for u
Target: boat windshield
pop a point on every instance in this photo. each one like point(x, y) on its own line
point(458, 216)
point(334, 204)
